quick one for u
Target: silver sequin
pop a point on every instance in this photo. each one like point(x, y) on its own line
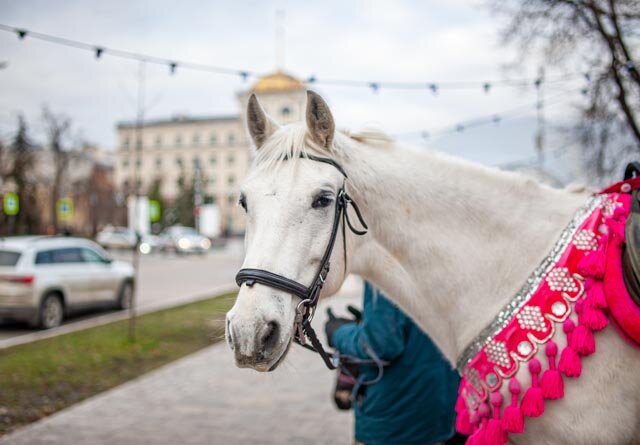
point(524, 348)
point(558, 308)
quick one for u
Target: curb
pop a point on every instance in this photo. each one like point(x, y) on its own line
point(116, 316)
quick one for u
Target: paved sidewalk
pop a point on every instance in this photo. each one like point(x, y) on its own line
point(205, 399)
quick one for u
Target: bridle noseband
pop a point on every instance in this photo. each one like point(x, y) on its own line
point(310, 295)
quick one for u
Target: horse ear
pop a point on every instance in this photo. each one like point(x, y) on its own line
point(319, 120)
point(260, 125)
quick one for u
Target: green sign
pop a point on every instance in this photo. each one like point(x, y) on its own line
point(154, 210)
point(64, 209)
point(11, 204)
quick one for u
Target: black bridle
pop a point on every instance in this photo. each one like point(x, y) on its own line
point(310, 295)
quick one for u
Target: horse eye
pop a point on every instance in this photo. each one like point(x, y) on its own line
point(321, 201)
point(243, 202)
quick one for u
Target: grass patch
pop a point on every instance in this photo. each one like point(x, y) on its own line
point(40, 378)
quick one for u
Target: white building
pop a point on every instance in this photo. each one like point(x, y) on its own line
point(172, 149)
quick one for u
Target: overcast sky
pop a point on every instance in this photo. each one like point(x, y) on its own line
point(433, 40)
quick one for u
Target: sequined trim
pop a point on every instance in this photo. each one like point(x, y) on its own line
point(526, 291)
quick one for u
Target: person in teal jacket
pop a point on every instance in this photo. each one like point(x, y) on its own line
point(412, 400)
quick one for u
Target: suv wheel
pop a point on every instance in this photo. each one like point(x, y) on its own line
point(125, 298)
point(51, 312)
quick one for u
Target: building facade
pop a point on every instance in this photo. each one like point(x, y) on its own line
point(217, 149)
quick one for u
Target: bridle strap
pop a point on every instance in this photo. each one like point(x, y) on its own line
point(310, 294)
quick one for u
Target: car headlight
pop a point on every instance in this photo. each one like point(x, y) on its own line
point(184, 243)
point(205, 243)
point(145, 248)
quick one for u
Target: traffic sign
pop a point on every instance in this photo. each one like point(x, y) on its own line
point(154, 210)
point(64, 209)
point(11, 204)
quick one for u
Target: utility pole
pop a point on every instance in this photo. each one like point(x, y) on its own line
point(540, 131)
point(280, 39)
point(136, 209)
point(197, 194)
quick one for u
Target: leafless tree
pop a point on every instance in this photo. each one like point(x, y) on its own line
point(57, 128)
point(601, 37)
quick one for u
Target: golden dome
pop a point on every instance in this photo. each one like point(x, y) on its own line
point(277, 82)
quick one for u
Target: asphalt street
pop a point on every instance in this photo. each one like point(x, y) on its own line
point(165, 279)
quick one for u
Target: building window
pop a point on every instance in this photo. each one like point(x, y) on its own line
point(286, 111)
point(125, 143)
point(158, 162)
point(231, 159)
point(125, 163)
point(158, 141)
point(231, 139)
point(196, 139)
point(179, 161)
point(138, 163)
point(212, 180)
point(213, 140)
point(126, 183)
point(212, 160)
point(178, 141)
point(196, 162)
point(231, 180)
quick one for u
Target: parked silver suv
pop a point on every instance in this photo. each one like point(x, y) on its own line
point(42, 279)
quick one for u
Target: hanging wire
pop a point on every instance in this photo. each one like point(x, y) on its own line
point(484, 120)
point(374, 86)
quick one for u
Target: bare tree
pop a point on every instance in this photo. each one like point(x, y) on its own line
point(57, 128)
point(601, 36)
point(20, 174)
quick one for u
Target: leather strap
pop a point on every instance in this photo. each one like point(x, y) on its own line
point(310, 295)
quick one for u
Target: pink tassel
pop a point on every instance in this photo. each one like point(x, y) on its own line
point(592, 265)
point(478, 438)
point(569, 364)
point(495, 435)
point(593, 318)
point(533, 402)
point(582, 341)
point(595, 292)
point(463, 422)
point(551, 384)
point(513, 419)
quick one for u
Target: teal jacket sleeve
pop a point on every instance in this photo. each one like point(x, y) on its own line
point(383, 330)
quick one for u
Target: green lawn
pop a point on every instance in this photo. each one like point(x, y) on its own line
point(43, 377)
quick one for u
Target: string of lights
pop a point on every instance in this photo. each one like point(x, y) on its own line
point(484, 120)
point(173, 65)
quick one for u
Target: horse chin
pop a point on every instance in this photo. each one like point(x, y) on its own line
point(281, 358)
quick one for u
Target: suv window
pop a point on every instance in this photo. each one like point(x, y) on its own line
point(57, 256)
point(8, 258)
point(91, 256)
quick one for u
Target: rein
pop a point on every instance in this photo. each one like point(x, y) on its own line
point(310, 295)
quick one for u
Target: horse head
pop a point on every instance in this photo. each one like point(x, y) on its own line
point(290, 203)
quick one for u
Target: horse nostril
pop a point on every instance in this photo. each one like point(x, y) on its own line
point(270, 336)
point(229, 334)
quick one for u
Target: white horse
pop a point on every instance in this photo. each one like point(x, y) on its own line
point(450, 242)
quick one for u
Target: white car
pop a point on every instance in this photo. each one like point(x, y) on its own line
point(124, 238)
point(42, 279)
point(180, 239)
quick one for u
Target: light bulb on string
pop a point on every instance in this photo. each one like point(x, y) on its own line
point(172, 68)
point(99, 52)
point(22, 33)
point(311, 79)
point(486, 87)
point(434, 88)
point(374, 87)
point(244, 75)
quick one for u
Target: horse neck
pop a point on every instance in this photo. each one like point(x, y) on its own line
point(450, 242)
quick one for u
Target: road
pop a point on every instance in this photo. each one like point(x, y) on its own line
point(166, 279)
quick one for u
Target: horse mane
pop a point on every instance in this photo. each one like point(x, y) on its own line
point(292, 142)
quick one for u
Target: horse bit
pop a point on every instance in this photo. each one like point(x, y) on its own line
point(310, 295)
